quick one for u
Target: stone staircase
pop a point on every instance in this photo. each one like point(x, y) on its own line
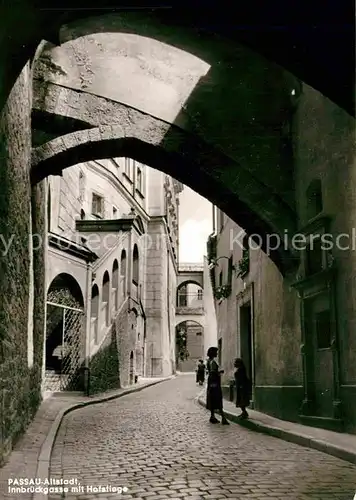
point(53, 381)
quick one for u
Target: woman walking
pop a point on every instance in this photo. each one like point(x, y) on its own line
point(214, 399)
point(243, 387)
point(200, 371)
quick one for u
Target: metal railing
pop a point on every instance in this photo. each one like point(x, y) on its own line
point(190, 299)
point(184, 267)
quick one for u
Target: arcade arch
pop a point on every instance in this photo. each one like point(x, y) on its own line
point(189, 345)
point(64, 348)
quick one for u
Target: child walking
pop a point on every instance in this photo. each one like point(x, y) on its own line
point(243, 387)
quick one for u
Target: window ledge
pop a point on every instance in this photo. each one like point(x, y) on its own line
point(127, 177)
point(139, 192)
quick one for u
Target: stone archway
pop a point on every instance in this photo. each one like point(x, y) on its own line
point(186, 158)
point(189, 294)
point(189, 345)
point(64, 346)
point(303, 53)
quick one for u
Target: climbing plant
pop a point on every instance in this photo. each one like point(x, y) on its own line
point(181, 343)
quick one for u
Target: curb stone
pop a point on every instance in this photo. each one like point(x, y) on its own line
point(292, 437)
point(44, 458)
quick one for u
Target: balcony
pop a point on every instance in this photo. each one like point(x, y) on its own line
point(190, 267)
point(190, 303)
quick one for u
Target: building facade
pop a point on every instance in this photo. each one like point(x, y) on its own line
point(290, 331)
point(111, 275)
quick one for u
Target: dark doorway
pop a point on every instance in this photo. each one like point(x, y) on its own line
point(319, 329)
point(246, 338)
point(131, 368)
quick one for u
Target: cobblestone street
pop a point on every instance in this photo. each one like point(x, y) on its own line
point(159, 444)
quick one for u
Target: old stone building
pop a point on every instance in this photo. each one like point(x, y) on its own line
point(113, 243)
point(256, 124)
point(293, 335)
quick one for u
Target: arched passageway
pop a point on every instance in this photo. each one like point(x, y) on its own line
point(230, 124)
point(106, 299)
point(115, 286)
point(189, 345)
point(95, 308)
point(64, 334)
point(314, 54)
point(178, 161)
point(190, 294)
point(135, 265)
point(135, 272)
point(123, 271)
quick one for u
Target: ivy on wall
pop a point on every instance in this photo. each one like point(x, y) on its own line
point(181, 343)
point(104, 368)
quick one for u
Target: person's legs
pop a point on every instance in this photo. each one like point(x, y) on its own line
point(213, 419)
point(223, 418)
point(244, 413)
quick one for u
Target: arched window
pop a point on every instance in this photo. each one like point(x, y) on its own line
point(123, 265)
point(314, 199)
point(94, 313)
point(135, 266)
point(115, 285)
point(131, 368)
point(106, 295)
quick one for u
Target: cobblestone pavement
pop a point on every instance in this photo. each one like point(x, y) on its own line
point(160, 445)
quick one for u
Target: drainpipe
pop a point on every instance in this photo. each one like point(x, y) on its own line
point(129, 265)
point(144, 333)
point(168, 307)
point(87, 329)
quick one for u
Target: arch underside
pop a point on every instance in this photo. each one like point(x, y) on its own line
point(197, 319)
point(167, 147)
point(315, 54)
point(189, 280)
point(66, 283)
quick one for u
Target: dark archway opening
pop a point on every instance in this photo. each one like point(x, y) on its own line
point(123, 271)
point(106, 298)
point(64, 334)
point(189, 345)
point(189, 294)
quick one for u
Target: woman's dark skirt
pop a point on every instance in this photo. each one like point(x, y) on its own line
point(214, 398)
point(242, 398)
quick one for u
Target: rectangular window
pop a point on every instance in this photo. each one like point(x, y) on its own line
point(230, 271)
point(221, 278)
point(200, 294)
point(139, 184)
point(128, 163)
point(97, 205)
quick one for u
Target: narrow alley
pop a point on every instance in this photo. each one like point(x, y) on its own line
point(159, 444)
